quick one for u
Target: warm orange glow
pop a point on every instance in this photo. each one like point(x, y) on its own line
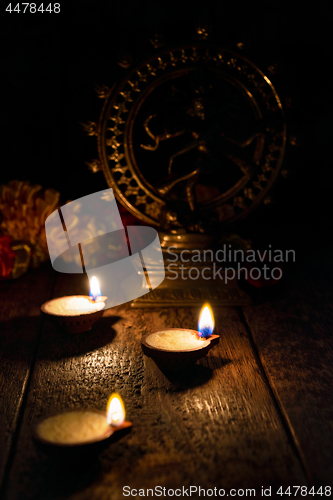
point(115, 410)
point(95, 290)
point(206, 321)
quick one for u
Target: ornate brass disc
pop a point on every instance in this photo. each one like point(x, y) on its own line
point(193, 137)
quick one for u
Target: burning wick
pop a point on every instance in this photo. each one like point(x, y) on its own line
point(95, 294)
point(115, 414)
point(206, 322)
point(95, 291)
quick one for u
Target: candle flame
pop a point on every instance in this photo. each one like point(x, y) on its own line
point(95, 290)
point(115, 410)
point(206, 321)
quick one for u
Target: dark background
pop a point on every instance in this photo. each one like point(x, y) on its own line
point(50, 64)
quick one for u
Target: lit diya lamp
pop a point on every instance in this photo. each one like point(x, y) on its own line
point(179, 347)
point(82, 430)
point(76, 313)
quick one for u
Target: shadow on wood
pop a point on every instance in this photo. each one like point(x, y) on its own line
point(71, 345)
point(191, 376)
point(62, 478)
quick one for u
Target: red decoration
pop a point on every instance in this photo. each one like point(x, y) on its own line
point(262, 282)
point(7, 256)
point(127, 218)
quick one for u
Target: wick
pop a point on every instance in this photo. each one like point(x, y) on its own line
point(94, 298)
point(205, 333)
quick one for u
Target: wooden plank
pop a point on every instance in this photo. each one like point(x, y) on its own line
point(19, 326)
point(293, 335)
point(214, 426)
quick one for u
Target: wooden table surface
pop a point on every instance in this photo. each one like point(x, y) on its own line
point(257, 411)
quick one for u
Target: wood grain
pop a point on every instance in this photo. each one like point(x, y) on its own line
point(216, 425)
point(19, 326)
point(293, 335)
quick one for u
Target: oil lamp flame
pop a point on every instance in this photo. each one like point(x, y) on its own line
point(115, 411)
point(95, 290)
point(206, 322)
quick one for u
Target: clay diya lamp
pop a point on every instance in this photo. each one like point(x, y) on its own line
point(176, 348)
point(76, 313)
point(81, 432)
